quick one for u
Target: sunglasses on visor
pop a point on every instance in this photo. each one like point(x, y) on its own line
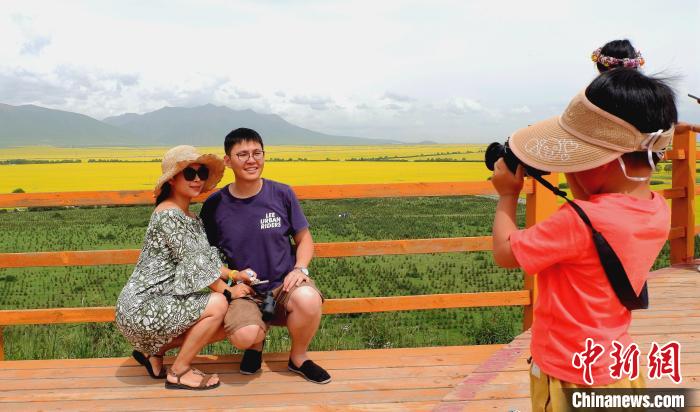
point(189, 173)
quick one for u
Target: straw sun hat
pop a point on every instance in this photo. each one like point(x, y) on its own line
point(583, 137)
point(178, 158)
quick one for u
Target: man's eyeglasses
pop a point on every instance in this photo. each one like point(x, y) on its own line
point(189, 173)
point(244, 156)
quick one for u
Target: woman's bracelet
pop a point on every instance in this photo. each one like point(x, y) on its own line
point(231, 276)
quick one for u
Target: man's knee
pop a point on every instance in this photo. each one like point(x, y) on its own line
point(305, 299)
point(247, 336)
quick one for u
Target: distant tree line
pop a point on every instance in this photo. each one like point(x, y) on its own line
point(37, 161)
point(123, 161)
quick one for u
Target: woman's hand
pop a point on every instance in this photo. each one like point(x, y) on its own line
point(505, 182)
point(241, 290)
point(246, 276)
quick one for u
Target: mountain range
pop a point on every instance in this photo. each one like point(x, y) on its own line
point(200, 126)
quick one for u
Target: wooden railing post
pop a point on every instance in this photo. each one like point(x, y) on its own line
point(683, 208)
point(540, 205)
point(2, 343)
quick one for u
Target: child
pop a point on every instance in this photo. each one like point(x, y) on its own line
point(606, 142)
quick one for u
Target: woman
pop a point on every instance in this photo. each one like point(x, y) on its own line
point(163, 306)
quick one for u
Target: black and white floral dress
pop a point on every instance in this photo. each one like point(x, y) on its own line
point(164, 296)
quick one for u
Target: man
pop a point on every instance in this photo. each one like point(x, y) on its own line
point(251, 221)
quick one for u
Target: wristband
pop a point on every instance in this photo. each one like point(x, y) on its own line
point(232, 273)
point(228, 296)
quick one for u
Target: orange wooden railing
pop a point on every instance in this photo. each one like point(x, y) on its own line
point(540, 203)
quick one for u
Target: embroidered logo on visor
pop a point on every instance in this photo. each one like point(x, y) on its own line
point(551, 149)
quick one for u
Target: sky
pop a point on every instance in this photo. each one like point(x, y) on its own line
point(446, 71)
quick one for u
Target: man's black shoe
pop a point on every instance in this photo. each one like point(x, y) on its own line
point(310, 371)
point(251, 362)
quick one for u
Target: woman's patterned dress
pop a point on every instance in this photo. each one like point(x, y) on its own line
point(164, 297)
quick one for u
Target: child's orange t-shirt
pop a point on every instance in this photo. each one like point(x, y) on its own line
point(575, 299)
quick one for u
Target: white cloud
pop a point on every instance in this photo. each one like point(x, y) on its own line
point(314, 102)
point(444, 70)
point(521, 110)
point(397, 97)
point(461, 105)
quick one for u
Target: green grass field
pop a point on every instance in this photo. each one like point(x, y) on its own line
point(369, 219)
point(362, 219)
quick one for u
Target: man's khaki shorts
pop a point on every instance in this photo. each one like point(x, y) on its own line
point(245, 311)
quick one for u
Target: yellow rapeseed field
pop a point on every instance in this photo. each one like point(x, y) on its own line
point(314, 170)
point(33, 178)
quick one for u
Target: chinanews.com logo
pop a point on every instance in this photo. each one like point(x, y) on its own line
point(271, 220)
point(663, 361)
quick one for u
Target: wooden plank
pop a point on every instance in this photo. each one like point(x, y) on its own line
point(92, 198)
point(231, 376)
point(677, 154)
point(403, 247)
point(539, 205)
point(183, 400)
point(453, 300)
point(478, 352)
point(69, 258)
point(268, 366)
point(355, 191)
point(377, 406)
point(676, 233)
point(349, 305)
point(672, 193)
point(57, 315)
point(507, 404)
point(252, 387)
point(683, 208)
point(321, 250)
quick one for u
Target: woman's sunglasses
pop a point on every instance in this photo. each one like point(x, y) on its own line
point(189, 173)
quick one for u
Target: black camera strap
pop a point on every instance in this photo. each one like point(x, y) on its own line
point(608, 259)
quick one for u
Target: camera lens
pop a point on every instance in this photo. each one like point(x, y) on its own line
point(494, 152)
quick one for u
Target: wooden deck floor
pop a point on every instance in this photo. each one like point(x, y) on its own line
point(502, 382)
point(383, 379)
point(470, 378)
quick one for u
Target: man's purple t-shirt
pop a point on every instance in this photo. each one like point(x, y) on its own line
point(256, 232)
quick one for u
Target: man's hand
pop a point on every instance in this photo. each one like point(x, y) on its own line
point(505, 182)
point(294, 278)
point(241, 290)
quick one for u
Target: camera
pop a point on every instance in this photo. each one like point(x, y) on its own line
point(496, 151)
point(267, 307)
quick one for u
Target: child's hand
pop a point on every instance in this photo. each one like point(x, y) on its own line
point(505, 182)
